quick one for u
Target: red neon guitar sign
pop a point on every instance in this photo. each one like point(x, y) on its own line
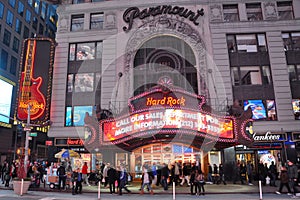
point(30, 88)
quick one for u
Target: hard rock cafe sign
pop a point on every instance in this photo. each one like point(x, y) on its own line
point(133, 13)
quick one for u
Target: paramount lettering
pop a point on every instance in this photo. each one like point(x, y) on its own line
point(134, 12)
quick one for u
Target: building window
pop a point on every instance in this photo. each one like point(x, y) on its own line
point(18, 26)
point(291, 41)
point(83, 82)
point(16, 44)
point(28, 17)
point(6, 38)
point(96, 21)
point(30, 2)
point(80, 1)
point(21, 8)
point(25, 32)
point(261, 109)
point(85, 51)
point(37, 6)
point(9, 18)
point(13, 65)
point(77, 22)
point(12, 3)
point(43, 11)
point(251, 75)
point(34, 23)
point(285, 10)
point(4, 58)
point(254, 12)
point(296, 108)
point(1, 10)
point(231, 12)
point(247, 43)
point(294, 72)
point(41, 29)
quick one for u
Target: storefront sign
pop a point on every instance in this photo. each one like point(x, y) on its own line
point(169, 119)
point(75, 142)
point(134, 12)
point(268, 136)
point(68, 142)
point(49, 143)
point(170, 101)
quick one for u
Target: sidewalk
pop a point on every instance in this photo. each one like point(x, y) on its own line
point(135, 186)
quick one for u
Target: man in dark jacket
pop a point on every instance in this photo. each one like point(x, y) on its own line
point(61, 172)
point(293, 176)
point(77, 179)
point(111, 175)
point(164, 176)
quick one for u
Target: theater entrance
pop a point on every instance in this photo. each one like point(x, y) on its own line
point(160, 153)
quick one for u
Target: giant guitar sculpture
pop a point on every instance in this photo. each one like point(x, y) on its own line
point(30, 94)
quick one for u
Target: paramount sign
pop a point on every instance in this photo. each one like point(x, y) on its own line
point(268, 136)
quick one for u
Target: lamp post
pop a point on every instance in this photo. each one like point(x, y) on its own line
point(27, 138)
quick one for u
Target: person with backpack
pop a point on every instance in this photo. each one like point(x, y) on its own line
point(199, 178)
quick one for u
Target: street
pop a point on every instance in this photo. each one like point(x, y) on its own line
point(38, 195)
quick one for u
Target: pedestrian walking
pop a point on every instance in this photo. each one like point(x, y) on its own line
point(61, 172)
point(164, 176)
point(147, 178)
point(77, 180)
point(123, 181)
point(284, 181)
point(192, 181)
point(154, 173)
point(293, 177)
point(243, 172)
point(111, 175)
point(185, 174)
point(209, 175)
point(250, 172)
point(199, 180)
point(84, 172)
point(222, 175)
point(273, 174)
point(215, 174)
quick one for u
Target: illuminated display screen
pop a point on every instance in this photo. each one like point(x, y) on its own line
point(296, 108)
point(257, 107)
point(5, 100)
point(168, 119)
point(79, 114)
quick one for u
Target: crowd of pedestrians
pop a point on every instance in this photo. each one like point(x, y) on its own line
point(158, 175)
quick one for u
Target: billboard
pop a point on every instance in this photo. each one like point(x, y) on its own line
point(5, 100)
point(35, 82)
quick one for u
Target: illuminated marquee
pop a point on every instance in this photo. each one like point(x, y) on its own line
point(169, 119)
point(163, 112)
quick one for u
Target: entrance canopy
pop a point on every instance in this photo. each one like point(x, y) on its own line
point(168, 113)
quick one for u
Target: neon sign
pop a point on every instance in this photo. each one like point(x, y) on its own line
point(169, 119)
point(170, 101)
point(30, 94)
point(75, 142)
point(35, 84)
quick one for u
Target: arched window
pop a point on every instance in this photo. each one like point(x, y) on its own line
point(165, 56)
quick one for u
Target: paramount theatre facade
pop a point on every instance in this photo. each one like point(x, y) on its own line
point(190, 81)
